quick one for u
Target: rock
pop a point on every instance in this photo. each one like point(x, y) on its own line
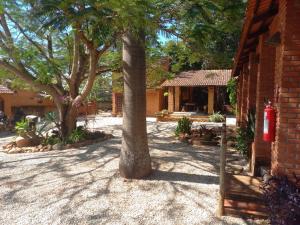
point(57, 146)
point(23, 142)
point(108, 136)
point(231, 143)
point(40, 146)
point(266, 178)
point(49, 147)
point(69, 146)
point(15, 150)
point(27, 141)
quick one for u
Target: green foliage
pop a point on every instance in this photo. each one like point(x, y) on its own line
point(181, 56)
point(47, 123)
point(231, 90)
point(102, 89)
point(184, 126)
point(245, 135)
point(79, 134)
point(243, 141)
point(22, 127)
point(216, 117)
point(251, 123)
point(52, 140)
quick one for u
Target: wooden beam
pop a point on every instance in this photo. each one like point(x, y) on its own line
point(259, 32)
point(265, 15)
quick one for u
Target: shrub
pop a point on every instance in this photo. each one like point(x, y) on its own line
point(79, 134)
point(231, 90)
point(52, 140)
point(282, 198)
point(184, 126)
point(22, 127)
point(216, 117)
point(245, 135)
point(243, 141)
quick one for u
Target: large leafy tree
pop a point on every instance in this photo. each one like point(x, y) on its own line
point(207, 34)
point(57, 49)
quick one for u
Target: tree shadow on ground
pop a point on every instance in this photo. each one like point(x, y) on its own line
point(76, 177)
point(185, 177)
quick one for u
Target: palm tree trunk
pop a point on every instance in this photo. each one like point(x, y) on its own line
point(135, 161)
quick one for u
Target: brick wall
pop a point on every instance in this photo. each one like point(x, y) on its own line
point(252, 81)
point(117, 99)
point(265, 91)
point(286, 149)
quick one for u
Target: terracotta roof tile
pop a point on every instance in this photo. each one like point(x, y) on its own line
point(5, 90)
point(200, 78)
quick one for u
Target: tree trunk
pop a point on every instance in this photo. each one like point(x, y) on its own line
point(67, 119)
point(135, 161)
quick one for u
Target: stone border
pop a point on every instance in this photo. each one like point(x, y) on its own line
point(11, 148)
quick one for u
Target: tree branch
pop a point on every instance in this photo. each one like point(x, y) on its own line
point(24, 75)
point(5, 28)
point(91, 77)
point(40, 49)
point(75, 62)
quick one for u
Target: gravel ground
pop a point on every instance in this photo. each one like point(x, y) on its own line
point(82, 186)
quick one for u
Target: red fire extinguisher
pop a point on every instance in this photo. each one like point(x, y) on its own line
point(269, 123)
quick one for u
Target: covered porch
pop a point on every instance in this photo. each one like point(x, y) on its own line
point(202, 91)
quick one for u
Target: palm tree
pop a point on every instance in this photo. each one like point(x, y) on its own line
point(135, 161)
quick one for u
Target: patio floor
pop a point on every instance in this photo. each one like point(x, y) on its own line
point(82, 186)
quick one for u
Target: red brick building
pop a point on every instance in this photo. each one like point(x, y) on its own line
point(267, 64)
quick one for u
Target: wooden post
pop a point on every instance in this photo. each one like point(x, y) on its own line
point(177, 98)
point(171, 99)
point(222, 171)
point(211, 97)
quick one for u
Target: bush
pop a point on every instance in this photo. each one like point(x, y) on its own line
point(184, 126)
point(216, 117)
point(245, 135)
point(243, 141)
point(282, 198)
point(231, 90)
point(22, 127)
point(79, 134)
point(52, 140)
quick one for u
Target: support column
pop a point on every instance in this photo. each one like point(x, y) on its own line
point(252, 81)
point(239, 99)
point(211, 98)
point(265, 91)
point(251, 103)
point(244, 95)
point(286, 150)
point(177, 99)
point(171, 99)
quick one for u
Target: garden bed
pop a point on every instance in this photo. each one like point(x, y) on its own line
point(94, 137)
